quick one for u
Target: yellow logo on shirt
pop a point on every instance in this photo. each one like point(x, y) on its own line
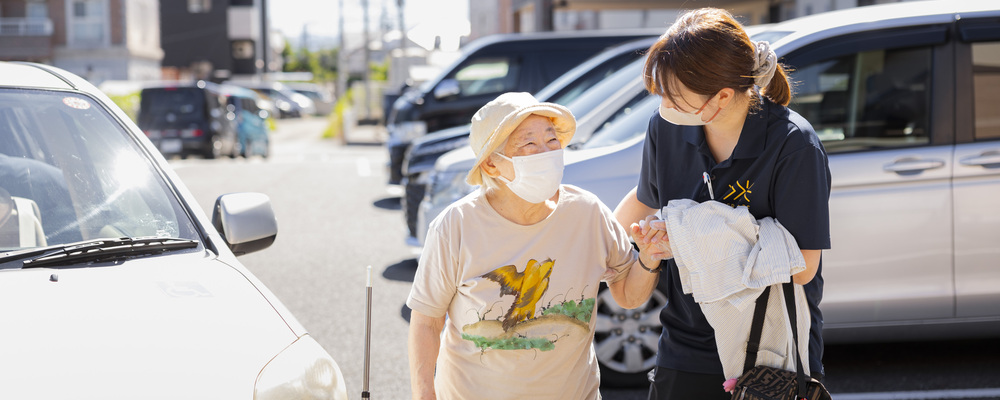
point(739, 195)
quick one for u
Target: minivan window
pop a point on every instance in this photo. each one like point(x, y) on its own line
point(487, 75)
point(171, 105)
point(867, 100)
point(986, 85)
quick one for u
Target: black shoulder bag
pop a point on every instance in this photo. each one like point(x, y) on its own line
point(760, 382)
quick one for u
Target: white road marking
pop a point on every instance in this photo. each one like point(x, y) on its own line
point(364, 167)
point(987, 393)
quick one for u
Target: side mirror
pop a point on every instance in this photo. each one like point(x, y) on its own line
point(246, 221)
point(447, 88)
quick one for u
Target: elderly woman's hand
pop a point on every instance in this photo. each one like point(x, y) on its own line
point(650, 236)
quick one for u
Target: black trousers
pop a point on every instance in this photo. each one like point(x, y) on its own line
point(671, 384)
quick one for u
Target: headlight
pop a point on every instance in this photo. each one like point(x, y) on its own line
point(302, 370)
point(448, 186)
point(405, 132)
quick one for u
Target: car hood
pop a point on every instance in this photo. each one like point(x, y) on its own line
point(178, 326)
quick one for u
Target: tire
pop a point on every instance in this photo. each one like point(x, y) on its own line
point(214, 149)
point(625, 340)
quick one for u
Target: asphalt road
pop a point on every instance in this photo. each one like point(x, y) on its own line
point(336, 216)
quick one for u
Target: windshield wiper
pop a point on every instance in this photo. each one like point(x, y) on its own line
point(101, 250)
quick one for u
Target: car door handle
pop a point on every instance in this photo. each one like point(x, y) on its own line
point(912, 165)
point(988, 159)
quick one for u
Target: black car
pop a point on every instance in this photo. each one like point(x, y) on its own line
point(184, 119)
point(420, 156)
point(495, 64)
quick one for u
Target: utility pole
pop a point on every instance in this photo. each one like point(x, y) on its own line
point(265, 44)
point(367, 66)
point(341, 53)
point(341, 67)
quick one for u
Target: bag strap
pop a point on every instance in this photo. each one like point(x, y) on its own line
point(799, 370)
point(757, 326)
point(753, 342)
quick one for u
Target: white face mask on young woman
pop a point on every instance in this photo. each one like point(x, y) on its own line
point(537, 176)
point(677, 117)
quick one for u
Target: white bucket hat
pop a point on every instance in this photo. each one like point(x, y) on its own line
point(495, 121)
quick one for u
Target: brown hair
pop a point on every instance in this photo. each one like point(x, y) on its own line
point(707, 50)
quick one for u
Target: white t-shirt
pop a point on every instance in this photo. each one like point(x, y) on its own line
point(520, 300)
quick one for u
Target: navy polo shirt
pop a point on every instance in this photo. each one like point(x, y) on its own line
point(778, 169)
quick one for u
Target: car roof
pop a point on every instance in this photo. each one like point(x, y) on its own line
point(26, 75)
point(820, 26)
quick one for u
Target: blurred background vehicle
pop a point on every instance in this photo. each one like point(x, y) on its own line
point(420, 156)
point(121, 281)
point(253, 132)
point(488, 66)
point(187, 118)
point(290, 104)
point(322, 98)
point(903, 97)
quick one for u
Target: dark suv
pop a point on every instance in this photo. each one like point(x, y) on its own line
point(489, 66)
point(184, 119)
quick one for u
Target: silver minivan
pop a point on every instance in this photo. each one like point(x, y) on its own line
point(905, 98)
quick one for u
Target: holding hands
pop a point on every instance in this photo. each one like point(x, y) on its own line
point(650, 235)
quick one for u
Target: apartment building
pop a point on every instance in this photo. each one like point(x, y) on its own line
point(97, 39)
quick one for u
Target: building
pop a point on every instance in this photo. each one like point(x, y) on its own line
point(509, 16)
point(216, 39)
point(97, 39)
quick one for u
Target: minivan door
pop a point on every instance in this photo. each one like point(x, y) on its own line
point(977, 170)
point(869, 98)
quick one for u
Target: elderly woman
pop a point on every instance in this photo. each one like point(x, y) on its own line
point(511, 272)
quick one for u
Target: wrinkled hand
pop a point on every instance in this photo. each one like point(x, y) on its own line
point(650, 235)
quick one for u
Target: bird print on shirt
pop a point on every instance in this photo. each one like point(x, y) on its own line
point(527, 288)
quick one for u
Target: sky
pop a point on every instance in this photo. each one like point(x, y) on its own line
point(424, 18)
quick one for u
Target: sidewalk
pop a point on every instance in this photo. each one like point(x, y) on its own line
point(362, 134)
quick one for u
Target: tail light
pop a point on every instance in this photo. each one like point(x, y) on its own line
point(190, 133)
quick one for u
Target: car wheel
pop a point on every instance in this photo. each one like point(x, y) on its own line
point(626, 340)
point(214, 149)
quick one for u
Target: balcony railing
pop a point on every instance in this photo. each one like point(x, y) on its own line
point(25, 27)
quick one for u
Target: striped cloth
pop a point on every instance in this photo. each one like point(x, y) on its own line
point(726, 258)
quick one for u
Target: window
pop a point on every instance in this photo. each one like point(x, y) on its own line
point(867, 100)
point(986, 85)
point(487, 75)
point(37, 9)
point(88, 22)
point(199, 6)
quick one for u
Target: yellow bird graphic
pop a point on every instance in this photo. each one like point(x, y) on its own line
point(527, 288)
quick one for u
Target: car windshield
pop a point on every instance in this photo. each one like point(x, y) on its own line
point(171, 106)
point(629, 122)
point(70, 172)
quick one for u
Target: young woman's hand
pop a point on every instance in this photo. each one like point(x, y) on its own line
point(650, 235)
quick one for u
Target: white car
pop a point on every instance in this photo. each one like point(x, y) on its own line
point(114, 282)
point(904, 97)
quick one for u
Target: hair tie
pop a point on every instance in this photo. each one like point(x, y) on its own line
point(765, 62)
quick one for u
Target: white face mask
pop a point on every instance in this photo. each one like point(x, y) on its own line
point(536, 177)
point(677, 117)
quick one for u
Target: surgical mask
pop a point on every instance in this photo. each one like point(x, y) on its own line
point(677, 117)
point(536, 177)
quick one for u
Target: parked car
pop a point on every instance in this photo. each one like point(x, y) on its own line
point(187, 118)
point(322, 98)
point(289, 103)
point(420, 156)
point(253, 132)
point(904, 98)
point(115, 283)
point(520, 62)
